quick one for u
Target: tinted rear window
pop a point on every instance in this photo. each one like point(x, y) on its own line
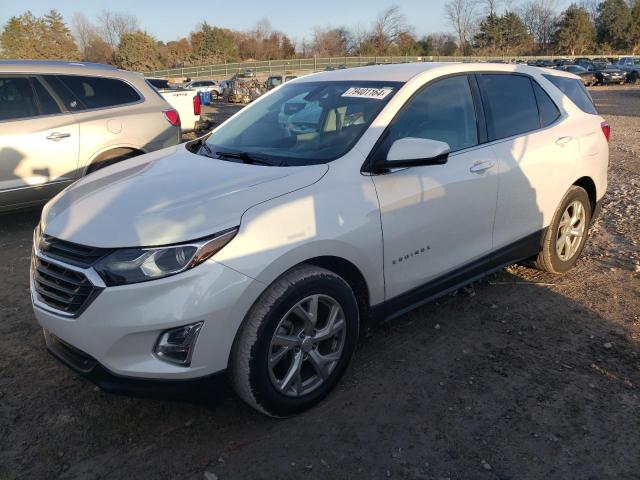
point(98, 92)
point(510, 105)
point(576, 91)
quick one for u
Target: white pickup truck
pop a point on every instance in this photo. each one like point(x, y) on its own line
point(185, 101)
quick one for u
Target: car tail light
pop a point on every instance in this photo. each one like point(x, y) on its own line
point(173, 117)
point(606, 129)
point(196, 105)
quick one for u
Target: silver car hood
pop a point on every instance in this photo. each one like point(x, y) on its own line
point(166, 197)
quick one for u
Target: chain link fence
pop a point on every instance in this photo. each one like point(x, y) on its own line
point(314, 64)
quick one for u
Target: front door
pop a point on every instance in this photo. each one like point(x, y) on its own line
point(38, 142)
point(439, 217)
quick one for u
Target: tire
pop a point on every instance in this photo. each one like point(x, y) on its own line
point(266, 387)
point(550, 258)
point(633, 78)
point(214, 95)
point(111, 157)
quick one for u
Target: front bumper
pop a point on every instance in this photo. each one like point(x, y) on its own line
point(210, 387)
point(119, 328)
point(608, 80)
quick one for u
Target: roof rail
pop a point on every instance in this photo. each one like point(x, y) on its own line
point(57, 63)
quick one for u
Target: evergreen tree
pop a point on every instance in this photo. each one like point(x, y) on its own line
point(138, 51)
point(575, 32)
point(613, 25)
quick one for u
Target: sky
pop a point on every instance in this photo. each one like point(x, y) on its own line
point(170, 20)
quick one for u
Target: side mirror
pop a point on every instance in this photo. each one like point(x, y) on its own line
point(409, 152)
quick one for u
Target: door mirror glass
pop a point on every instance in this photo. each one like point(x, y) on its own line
point(410, 151)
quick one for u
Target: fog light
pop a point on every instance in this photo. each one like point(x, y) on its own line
point(176, 345)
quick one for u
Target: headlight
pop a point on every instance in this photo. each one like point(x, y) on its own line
point(133, 265)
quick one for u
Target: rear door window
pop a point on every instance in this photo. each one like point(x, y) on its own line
point(510, 105)
point(99, 92)
point(17, 99)
point(48, 105)
point(576, 91)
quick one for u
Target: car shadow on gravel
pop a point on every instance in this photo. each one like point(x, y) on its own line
point(507, 378)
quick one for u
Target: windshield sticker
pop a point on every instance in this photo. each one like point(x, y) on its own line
point(363, 92)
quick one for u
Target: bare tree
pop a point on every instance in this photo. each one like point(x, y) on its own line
point(83, 31)
point(388, 28)
point(491, 6)
point(331, 42)
point(115, 24)
point(539, 16)
point(462, 16)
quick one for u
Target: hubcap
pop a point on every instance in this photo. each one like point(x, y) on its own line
point(307, 345)
point(570, 231)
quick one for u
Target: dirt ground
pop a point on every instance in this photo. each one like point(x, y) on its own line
point(521, 376)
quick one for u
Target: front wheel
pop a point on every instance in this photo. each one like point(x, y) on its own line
point(567, 234)
point(296, 342)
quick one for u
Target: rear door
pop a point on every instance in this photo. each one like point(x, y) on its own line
point(438, 217)
point(533, 142)
point(39, 142)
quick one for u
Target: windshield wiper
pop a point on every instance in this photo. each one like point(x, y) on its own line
point(248, 158)
point(207, 149)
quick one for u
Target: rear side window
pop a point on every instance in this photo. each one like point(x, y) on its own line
point(98, 92)
point(549, 112)
point(16, 98)
point(510, 105)
point(48, 105)
point(576, 91)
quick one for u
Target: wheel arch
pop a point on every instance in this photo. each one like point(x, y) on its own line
point(589, 186)
point(350, 274)
point(111, 152)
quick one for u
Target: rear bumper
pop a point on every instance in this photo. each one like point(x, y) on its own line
point(208, 388)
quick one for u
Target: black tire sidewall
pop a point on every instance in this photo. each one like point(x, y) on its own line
point(264, 392)
point(576, 193)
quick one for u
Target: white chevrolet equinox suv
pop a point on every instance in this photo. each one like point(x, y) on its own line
point(259, 252)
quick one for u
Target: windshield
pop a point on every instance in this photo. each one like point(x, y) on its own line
point(304, 123)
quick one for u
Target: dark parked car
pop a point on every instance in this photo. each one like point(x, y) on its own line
point(588, 78)
point(607, 73)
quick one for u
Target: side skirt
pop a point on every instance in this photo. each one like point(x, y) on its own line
point(520, 250)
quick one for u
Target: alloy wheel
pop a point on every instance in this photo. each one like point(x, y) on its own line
point(307, 345)
point(571, 230)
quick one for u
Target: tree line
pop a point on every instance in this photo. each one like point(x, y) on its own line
point(480, 27)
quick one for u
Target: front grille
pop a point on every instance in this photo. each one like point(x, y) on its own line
point(72, 253)
point(61, 288)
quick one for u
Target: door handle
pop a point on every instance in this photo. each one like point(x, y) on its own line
point(57, 136)
point(481, 167)
point(562, 141)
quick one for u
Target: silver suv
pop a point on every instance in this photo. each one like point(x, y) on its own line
point(60, 121)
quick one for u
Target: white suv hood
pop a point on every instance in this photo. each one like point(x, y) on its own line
point(166, 197)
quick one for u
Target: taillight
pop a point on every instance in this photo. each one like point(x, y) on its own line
point(196, 105)
point(173, 117)
point(606, 129)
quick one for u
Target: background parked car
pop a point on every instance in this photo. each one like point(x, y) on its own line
point(631, 65)
point(274, 80)
point(47, 107)
point(607, 73)
point(588, 78)
point(210, 86)
point(185, 101)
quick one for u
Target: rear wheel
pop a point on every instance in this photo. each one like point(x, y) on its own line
point(296, 342)
point(634, 78)
point(567, 234)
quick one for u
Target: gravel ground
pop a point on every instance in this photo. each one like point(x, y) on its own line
point(520, 376)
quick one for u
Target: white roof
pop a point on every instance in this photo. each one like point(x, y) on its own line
point(403, 72)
